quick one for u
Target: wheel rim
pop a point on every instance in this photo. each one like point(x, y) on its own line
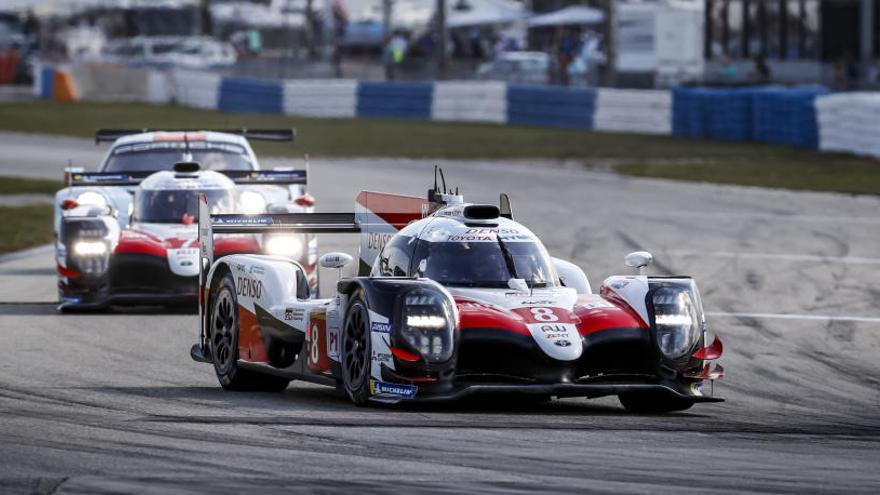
point(222, 328)
point(355, 345)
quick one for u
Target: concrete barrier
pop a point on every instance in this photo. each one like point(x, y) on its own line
point(408, 100)
point(551, 106)
point(470, 101)
point(332, 98)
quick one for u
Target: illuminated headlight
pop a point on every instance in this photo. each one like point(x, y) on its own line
point(427, 324)
point(252, 203)
point(90, 248)
point(92, 198)
point(676, 319)
point(285, 245)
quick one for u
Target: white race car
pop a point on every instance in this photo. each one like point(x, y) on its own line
point(127, 234)
point(456, 299)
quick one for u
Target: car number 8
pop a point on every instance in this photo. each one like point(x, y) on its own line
point(314, 341)
point(544, 315)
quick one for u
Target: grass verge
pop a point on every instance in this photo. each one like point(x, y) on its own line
point(25, 226)
point(19, 185)
point(637, 155)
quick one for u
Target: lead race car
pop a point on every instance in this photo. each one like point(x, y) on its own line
point(148, 255)
point(459, 299)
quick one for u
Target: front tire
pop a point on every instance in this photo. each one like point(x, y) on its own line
point(356, 351)
point(653, 403)
point(223, 342)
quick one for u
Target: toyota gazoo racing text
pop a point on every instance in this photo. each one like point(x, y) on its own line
point(453, 299)
point(147, 252)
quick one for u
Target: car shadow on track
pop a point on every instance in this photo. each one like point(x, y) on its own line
point(311, 399)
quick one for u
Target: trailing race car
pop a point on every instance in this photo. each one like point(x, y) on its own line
point(154, 260)
point(96, 242)
point(459, 299)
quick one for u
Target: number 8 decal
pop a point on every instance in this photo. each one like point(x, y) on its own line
point(314, 344)
point(544, 315)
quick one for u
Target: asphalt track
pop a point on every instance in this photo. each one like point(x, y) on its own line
point(112, 403)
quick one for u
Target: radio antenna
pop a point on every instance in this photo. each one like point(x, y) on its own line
point(443, 178)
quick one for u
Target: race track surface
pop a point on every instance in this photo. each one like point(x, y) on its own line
point(103, 403)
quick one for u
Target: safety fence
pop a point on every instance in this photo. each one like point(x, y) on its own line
point(805, 117)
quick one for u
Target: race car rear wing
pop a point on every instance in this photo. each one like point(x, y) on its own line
point(110, 135)
point(245, 177)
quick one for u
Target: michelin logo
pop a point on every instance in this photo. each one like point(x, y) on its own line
point(402, 391)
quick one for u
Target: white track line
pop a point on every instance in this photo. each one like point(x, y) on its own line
point(781, 316)
point(855, 260)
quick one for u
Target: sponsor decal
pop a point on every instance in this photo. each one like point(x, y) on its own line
point(71, 299)
point(377, 240)
point(333, 343)
point(249, 287)
point(295, 314)
point(402, 391)
point(242, 220)
point(562, 343)
point(382, 357)
point(380, 327)
point(619, 285)
point(256, 270)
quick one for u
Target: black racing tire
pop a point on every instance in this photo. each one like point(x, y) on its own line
point(653, 403)
point(356, 351)
point(223, 343)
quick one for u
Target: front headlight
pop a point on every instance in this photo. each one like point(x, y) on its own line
point(91, 198)
point(677, 321)
point(90, 248)
point(285, 245)
point(252, 203)
point(427, 324)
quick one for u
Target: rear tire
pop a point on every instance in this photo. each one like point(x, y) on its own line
point(653, 403)
point(356, 351)
point(223, 342)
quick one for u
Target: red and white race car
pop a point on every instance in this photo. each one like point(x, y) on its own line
point(127, 234)
point(455, 299)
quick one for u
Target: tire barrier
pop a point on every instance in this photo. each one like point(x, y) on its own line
point(848, 123)
point(196, 89)
point(251, 96)
point(786, 116)
point(635, 111)
point(110, 83)
point(550, 106)
point(328, 98)
point(408, 100)
point(467, 101)
point(804, 116)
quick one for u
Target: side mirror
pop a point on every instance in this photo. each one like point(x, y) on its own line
point(335, 260)
point(638, 259)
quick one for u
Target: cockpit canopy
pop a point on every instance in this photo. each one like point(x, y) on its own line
point(166, 198)
point(456, 254)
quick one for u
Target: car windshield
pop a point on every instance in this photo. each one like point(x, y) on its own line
point(179, 206)
point(152, 157)
point(485, 264)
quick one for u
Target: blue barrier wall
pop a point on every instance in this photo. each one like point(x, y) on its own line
point(786, 116)
point(251, 95)
point(411, 100)
point(551, 106)
point(767, 114)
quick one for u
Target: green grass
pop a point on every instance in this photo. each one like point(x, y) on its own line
point(25, 226)
point(834, 173)
point(654, 156)
point(18, 185)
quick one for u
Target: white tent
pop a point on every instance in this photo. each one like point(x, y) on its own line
point(574, 15)
point(486, 12)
